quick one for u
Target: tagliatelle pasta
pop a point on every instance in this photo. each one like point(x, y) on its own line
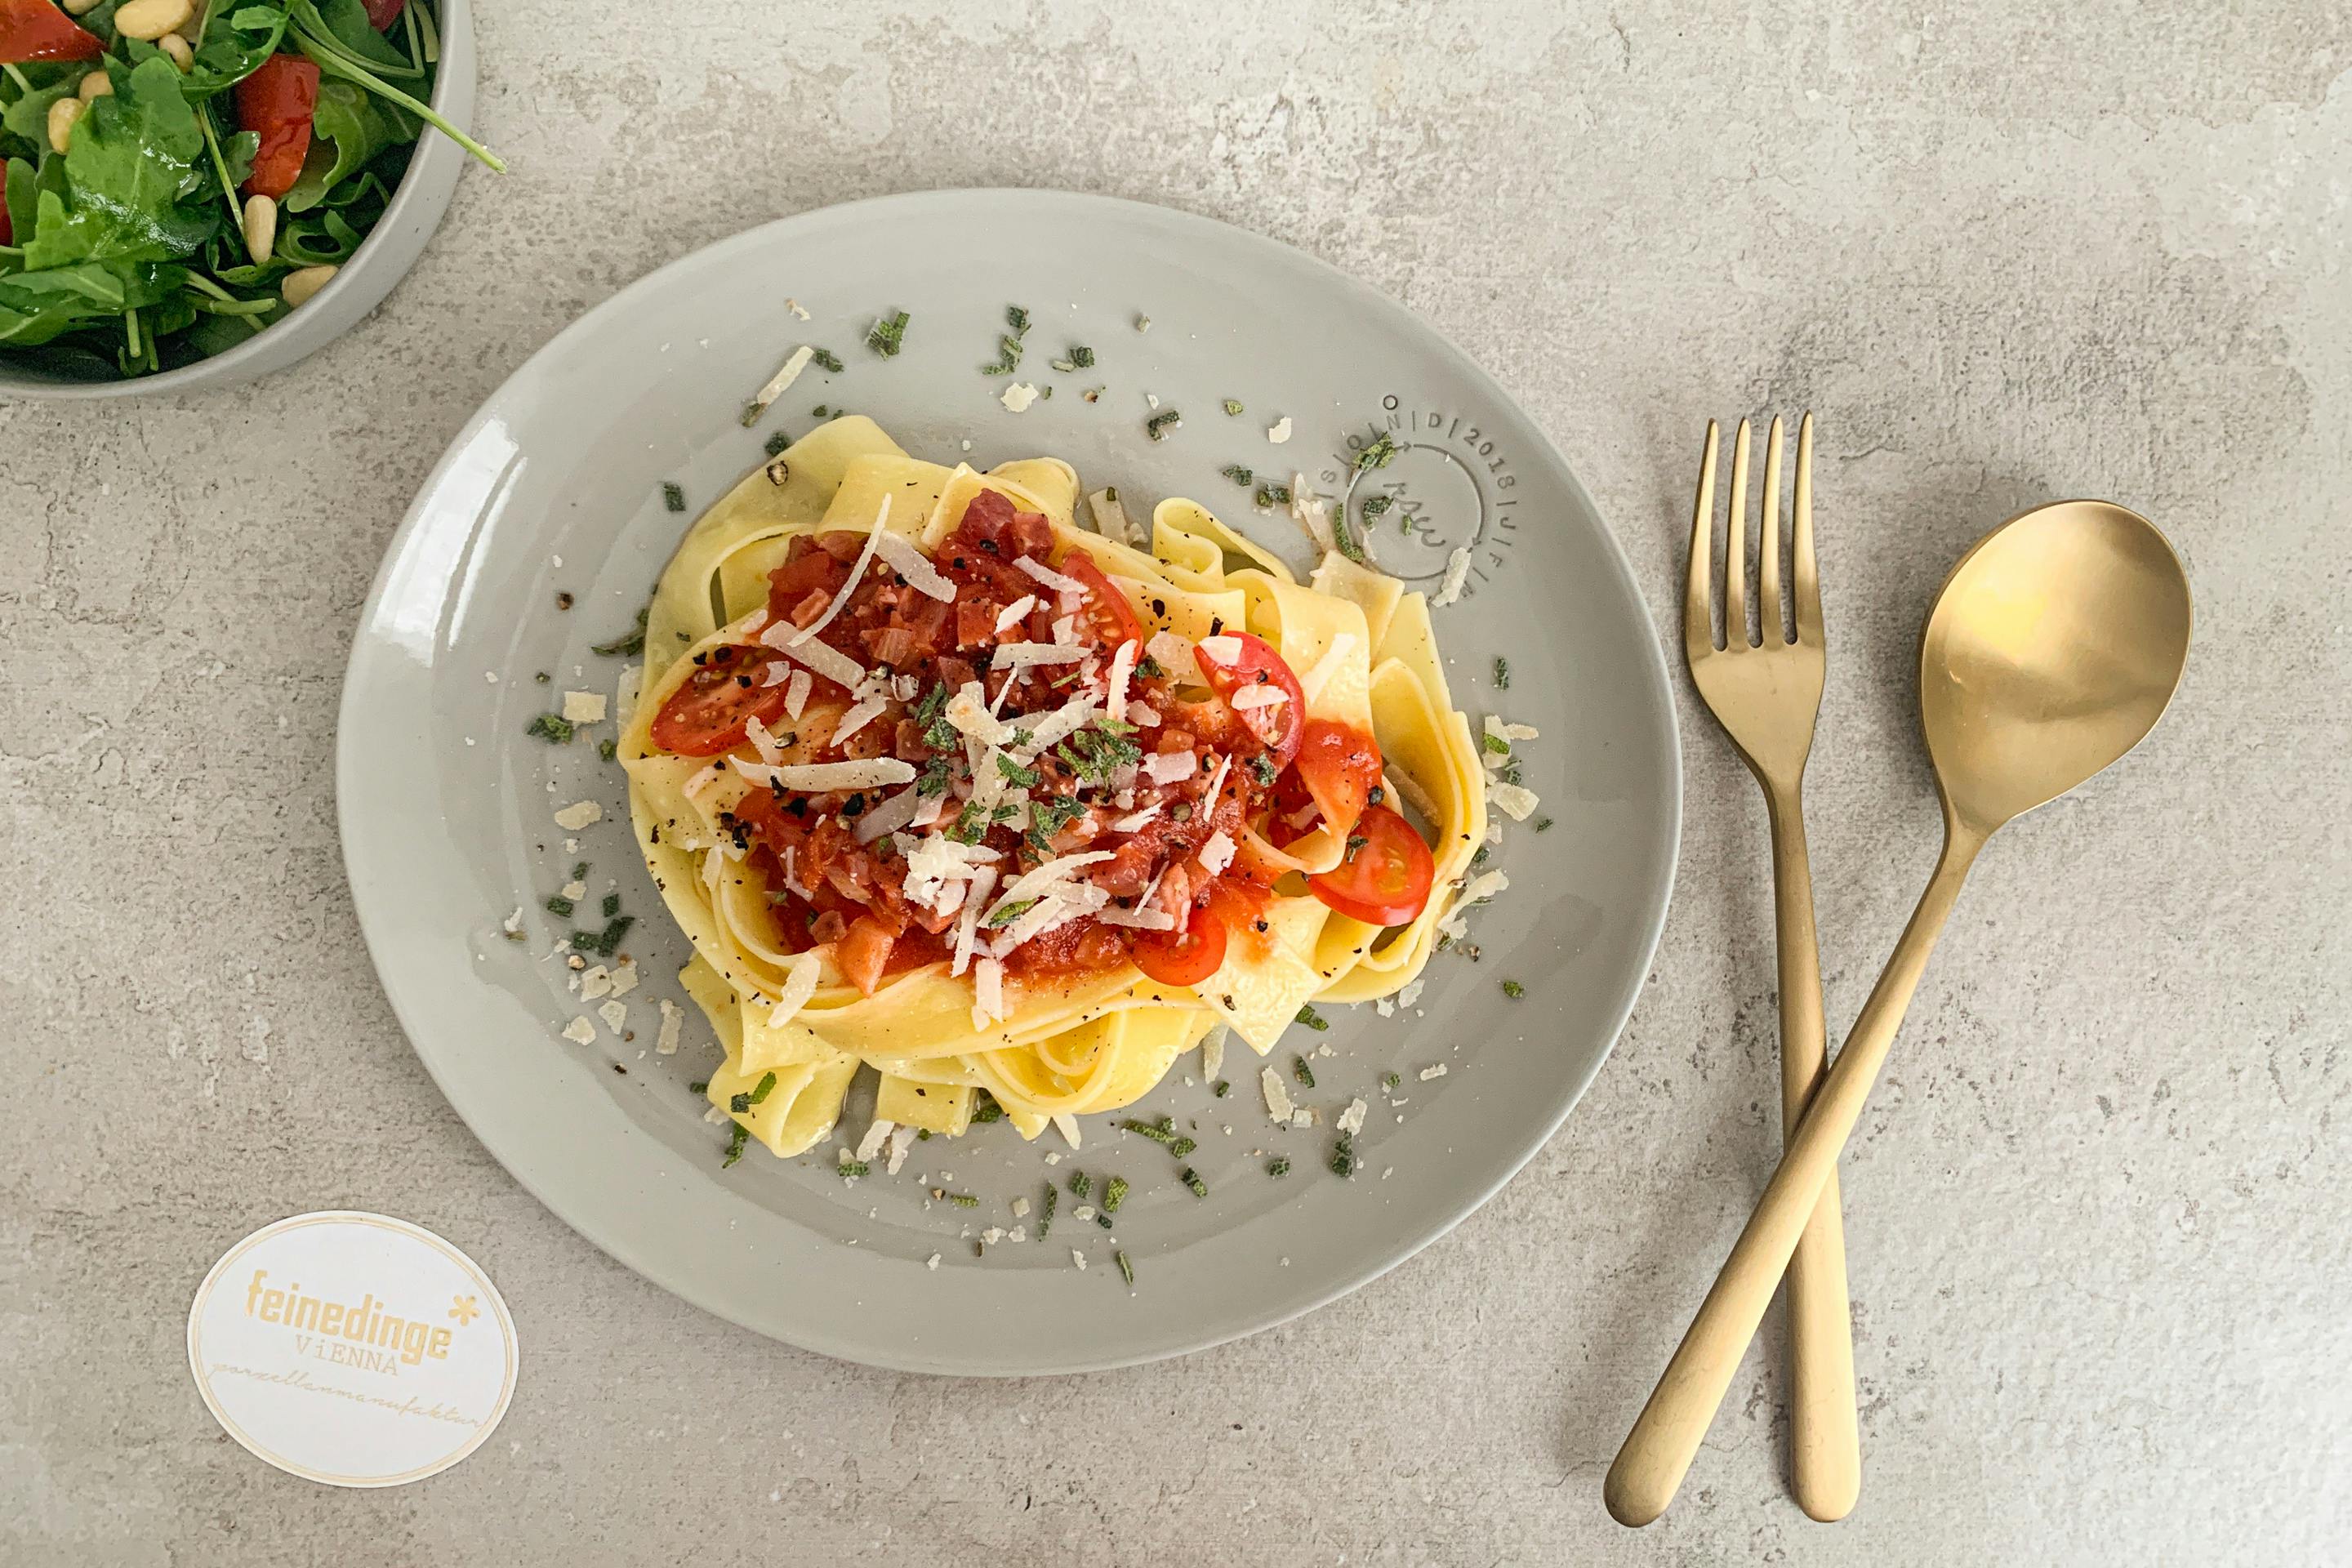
point(938, 780)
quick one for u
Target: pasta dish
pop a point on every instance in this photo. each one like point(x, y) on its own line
point(939, 780)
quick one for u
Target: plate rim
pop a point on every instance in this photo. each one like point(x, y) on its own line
point(1376, 1261)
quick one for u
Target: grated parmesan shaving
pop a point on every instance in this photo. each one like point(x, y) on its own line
point(807, 634)
point(1014, 614)
point(1173, 653)
point(900, 554)
point(1517, 801)
point(780, 382)
point(1122, 671)
point(1136, 919)
point(800, 985)
point(1217, 853)
point(1047, 576)
point(1224, 648)
point(1020, 654)
point(1249, 696)
point(1458, 574)
point(1110, 518)
point(878, 1132)
point(863, 713)
point(891, 815)
point(673, 1018)
point(796, 694)
point(1278, 1095)
point(968, 927)
point(987, 992)
point(822, 658)
point(813, 778)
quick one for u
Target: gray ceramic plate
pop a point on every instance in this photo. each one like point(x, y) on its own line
point(555, 487)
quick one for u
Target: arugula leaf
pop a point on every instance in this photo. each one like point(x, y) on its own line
point(238, 152)
point(38, 305)
point(346, 21)
point(348, 128)
point(28, 117)
point(128, 169)
point(234, 46)
point(24, 204)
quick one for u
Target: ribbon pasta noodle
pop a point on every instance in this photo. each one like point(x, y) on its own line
point(938, 780)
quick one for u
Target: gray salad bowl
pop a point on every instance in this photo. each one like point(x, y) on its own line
point(382, 259)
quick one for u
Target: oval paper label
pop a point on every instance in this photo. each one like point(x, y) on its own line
point(353, 1348)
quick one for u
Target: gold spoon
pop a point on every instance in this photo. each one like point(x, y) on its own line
point(2052, 649)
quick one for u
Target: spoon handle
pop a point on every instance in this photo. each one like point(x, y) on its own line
point(1666, 1436)
point(1824, 1448)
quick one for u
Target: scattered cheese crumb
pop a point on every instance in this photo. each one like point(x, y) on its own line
point(1277, 1096)
point(1019, 1208)
point(625, 977)
point(1457, 572)
point(794, 307)
point(1279, 431)
point(583, 707)
point(1080, 1258)
point(1517, 801)
point(579, 814)
point(672, 1017)
point(1351, 1120)
point(1019, 397)
point(1437, 1071)
point(579, 1031)
point(594, 983)
point(513, 926)
point(575, 889)
point(616, 1015)
point(933, 1262)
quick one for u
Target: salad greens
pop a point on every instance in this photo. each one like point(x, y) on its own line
point(166, 199)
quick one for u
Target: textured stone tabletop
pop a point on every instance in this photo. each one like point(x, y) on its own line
point(2099, 1212)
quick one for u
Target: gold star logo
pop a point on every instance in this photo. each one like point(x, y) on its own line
point(462, 1309)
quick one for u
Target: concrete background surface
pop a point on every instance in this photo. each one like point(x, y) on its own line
point(2099, 1213)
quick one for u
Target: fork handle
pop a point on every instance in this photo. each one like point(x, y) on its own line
point(1666, 1435)
point(1825, 1448)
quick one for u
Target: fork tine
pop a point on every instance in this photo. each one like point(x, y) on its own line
point(1735, 549)
point(1805, 580)
point(1698, 625)
point(1769, 624)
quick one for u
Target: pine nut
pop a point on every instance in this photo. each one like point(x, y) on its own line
point(302, 284)
point(151, 19)
point(62, 115)
point(260, 227)
point(177, 48)
point(81, 7)
point(97, 84)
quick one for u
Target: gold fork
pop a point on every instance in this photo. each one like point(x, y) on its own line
point(1766, 696)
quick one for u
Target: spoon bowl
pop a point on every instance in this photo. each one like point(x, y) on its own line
point(2054, 648)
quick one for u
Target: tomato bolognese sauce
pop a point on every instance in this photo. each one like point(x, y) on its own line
point(985, 755)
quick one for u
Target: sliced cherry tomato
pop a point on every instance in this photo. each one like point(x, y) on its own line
point(37, 30)
point(1183, 957)
point(1113, 617)
point(382, 14)
point(1277, 724)
point(1384, 879)
point(275, 102)
point(1338, 767)
point(708, 714)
